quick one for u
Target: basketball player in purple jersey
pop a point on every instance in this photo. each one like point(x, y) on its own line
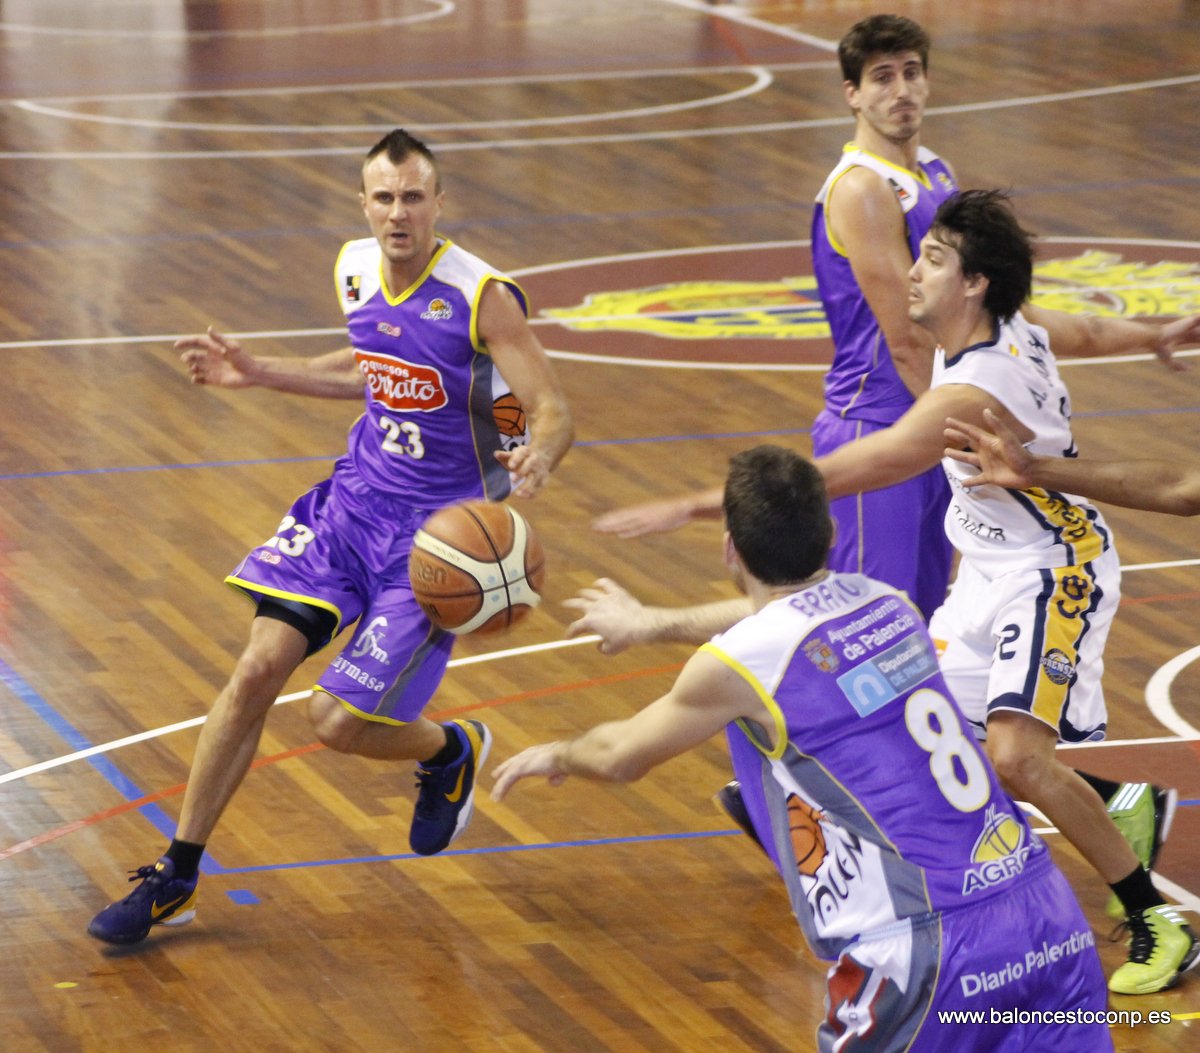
point(867, 226)
point(948, 924)
point(439, 341)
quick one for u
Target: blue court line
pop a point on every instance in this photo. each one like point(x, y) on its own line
point(488, 851)
point(591, 443)
point(74, 738)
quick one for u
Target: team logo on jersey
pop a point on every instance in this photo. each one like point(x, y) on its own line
point(808, 839)
point(387, 329)
point(438, 311)
point(353, 287)
point(368, 641)
point(1058, 667)
point(788, 309)
point(901, 193)
point(999, 852)
point(821, 655)
point(401, 385)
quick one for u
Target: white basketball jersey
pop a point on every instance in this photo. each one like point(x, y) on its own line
point(1001, 530)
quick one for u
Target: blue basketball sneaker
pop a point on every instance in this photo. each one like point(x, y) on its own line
point(446, 795)
point(160, 899)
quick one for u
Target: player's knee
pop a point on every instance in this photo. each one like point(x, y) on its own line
point(336, 727)
point(1021, 774)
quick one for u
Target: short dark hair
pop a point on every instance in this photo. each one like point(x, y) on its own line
point(981, 226)
point(399, 145)
point(777, 513)
point(880, 35)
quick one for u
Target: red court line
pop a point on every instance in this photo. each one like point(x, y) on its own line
point(172, 791)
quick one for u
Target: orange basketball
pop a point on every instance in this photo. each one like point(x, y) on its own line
point(509, 415)
point(476, 567)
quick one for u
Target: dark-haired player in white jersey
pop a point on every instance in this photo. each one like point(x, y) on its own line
point(437, 337)
point(906, 864)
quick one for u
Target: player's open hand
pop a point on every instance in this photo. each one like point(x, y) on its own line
point(998, 454)
point(213, 358)
point(1183, 332)
point(653, 517)
point(537, 760)
point(611, 613)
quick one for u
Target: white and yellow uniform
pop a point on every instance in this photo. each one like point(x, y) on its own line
point(1026, 620)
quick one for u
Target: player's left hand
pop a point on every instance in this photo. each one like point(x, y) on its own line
point(998, 454)
point(529, 469)
point(537, 760)
point(1180, 333)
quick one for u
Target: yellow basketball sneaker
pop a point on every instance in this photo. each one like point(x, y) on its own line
point(1143, 813)
point(1162, 948)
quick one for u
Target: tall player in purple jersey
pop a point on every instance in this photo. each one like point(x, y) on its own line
point(437, 339)
point(948, 923)
point(870, 216)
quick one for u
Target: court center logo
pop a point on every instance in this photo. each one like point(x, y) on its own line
point(1093, 281)
point(787, 309)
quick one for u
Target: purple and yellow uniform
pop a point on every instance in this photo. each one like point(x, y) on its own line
point(905, 861)
point(894, 534)
point(427, 439)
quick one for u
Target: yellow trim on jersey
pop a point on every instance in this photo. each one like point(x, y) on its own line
point(834, 244)
point(361, 714)
point(919, 175)
point(1071, 524)
point(393, 301)
point(250, 588)
point(781, 736)
point(1065, 625)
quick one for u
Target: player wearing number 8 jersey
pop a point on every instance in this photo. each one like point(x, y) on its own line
point(437, 337)
point(905, 862)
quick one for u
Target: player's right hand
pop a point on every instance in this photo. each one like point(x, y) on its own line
point(213, 358)
point(610, 612)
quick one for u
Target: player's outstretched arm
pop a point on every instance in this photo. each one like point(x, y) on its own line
point(658, 517)
point(217, 360)
point(522, 361)
point(620, 620)
point(1087, 335)
point(707, 696)
point(1154, 486)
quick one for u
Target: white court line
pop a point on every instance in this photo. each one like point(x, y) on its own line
point(442, 8)
point(762, 80)
point(735, 14)
point(540, 142)
point(154, 733)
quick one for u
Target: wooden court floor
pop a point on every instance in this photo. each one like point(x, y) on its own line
point(646, 170)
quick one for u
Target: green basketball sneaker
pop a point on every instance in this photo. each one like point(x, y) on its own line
point(1161, 949)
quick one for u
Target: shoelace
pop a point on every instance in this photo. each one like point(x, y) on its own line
point(143, 872)
point(1141, 938)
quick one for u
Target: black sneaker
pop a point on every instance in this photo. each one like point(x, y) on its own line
point(446, 794)
point(160, 899)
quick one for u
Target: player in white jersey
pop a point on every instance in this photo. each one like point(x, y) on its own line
point(1024, 625)
point(933, 897)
